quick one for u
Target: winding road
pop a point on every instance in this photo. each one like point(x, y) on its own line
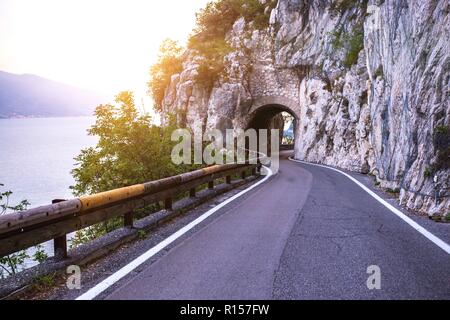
point(307, 233)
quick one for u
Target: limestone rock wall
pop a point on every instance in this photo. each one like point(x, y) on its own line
point(374, 112)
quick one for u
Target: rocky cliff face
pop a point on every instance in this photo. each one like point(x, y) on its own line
point(368, 82)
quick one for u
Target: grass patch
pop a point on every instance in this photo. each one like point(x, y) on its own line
point(44, 282)
point(352, 43)
point(142, 234)
point(427, 173)
point(393, 191)
point(355, 45)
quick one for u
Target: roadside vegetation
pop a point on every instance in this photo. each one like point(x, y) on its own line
point(130, 150)
point(14, 263)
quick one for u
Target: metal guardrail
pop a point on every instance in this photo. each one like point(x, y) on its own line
point(25, 229)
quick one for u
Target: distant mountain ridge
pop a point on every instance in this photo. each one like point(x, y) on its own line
point(33, 96)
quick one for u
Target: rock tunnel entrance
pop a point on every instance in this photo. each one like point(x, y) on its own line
point(276, 116)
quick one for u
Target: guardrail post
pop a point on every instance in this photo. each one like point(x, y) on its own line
point(211, 185)
point(228, 179)
point(60, 243)
point(168, 204)
point(192, 193)
point(244, 175)
point(128, 220)
point(254, 172)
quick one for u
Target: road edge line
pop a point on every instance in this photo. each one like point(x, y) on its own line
point(124, 271)
point(437, 241)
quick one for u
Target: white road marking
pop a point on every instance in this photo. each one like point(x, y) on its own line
point(440, 243)
point(108, 282)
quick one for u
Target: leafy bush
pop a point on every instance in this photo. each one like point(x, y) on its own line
point(208, 40)
point(212, 65)
point(169, 63)
point(130, 150)
point(44, 282)
point(6, 206)
point(352, 43)
point(13, 263)
point(355, 45)
point(40, 255)
point(340, 6)
point(218, 17)
point(336, 41)
point(93, 232)
point(212, 25)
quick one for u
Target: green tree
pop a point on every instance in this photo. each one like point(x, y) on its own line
point(212, 25)
point(130, 150)
point(169, 63)
point(208, 41)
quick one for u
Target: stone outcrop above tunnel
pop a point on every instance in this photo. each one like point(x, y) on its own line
point(368, 83)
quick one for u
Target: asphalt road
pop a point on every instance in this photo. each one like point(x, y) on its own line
point(308, 233)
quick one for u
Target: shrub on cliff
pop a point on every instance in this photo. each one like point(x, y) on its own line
point(218, 17)
point(208, 41)
point(15, 262)
point(340, 6)
point(352, 43)
point(355, 45)
point(169, 63)
point(212, 25)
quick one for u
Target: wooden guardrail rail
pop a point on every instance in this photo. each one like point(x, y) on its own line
point(25, 229)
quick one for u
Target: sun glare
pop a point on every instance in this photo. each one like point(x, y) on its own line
point(102, 45)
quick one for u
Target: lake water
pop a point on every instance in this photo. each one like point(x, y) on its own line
point(36, 156)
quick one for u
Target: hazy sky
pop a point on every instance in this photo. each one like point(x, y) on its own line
point(102, 45)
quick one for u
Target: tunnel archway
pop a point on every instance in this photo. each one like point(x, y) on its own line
point(271, 112)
